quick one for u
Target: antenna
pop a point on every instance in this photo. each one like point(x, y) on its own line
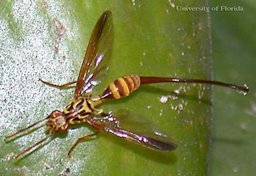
point(24, 129)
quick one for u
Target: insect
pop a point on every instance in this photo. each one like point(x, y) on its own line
point(82, 109)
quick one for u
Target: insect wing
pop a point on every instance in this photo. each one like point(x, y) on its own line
point(150, 142)
point(138, 131)
point(97, 54)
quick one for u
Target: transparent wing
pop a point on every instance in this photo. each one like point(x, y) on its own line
point(96, 56)
point(133, 128)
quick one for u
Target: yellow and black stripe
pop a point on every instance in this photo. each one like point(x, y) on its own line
point(78, 109)
point(121, 87)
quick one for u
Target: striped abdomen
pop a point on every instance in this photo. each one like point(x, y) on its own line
point(121, 87)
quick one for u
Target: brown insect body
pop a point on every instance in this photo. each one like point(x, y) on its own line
point(83, 107)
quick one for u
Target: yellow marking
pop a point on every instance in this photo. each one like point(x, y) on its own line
point(85, 108)
point(66, 110)
point(130, 82)
point(124, 86)
point(96, 101)
point(67, 107)
point(76, 103)
point(71, 121)
point(136, 79)
point(91, 103)
point(114, 91)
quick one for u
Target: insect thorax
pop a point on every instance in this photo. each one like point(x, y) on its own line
point(78, 109)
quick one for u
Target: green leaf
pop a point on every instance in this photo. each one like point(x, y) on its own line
point(150, 38)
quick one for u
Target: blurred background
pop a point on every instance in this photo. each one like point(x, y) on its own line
point(232, 149)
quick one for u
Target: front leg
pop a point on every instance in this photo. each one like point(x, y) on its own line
point(82, 139)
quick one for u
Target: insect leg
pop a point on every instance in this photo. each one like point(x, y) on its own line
point(62, 86)
point(82, 139)
point(31, 147)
